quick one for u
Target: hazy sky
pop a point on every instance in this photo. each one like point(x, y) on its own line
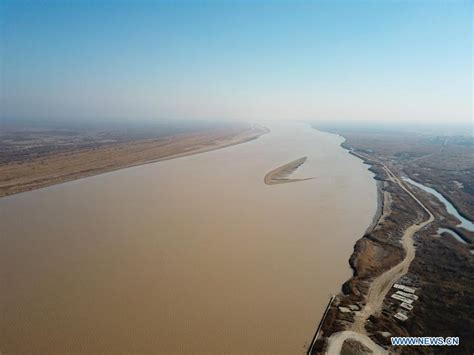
point(370, 60)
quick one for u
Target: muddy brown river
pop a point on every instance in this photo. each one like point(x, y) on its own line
point(191, 255)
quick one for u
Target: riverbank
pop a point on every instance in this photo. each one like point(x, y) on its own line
point(375, 253)
point(60, 167)
point(441, 273)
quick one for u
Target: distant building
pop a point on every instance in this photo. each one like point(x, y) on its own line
point(408, 295)
point(404, 288)
point(401, 316)
point(406, 306)
point(401, 298)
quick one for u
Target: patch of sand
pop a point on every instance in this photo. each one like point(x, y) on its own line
point(281, 174)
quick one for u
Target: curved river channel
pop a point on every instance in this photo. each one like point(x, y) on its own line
point(190, 255)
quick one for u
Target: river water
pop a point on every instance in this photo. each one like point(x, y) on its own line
point(464, 222)
point(190, 255)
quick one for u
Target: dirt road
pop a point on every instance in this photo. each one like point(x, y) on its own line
point(382, 284)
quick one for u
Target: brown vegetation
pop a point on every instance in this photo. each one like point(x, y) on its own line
point(443, 268)
point(445, 163)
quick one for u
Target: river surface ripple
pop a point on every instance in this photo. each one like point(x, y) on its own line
point(190, 255)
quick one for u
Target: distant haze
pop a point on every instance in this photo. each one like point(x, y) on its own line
point(404, 61)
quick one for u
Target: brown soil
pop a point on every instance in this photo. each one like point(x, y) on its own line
point(442, 272)
point(351, 347)
point(59, 167)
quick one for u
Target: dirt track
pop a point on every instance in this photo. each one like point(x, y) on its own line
point(382, 284)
